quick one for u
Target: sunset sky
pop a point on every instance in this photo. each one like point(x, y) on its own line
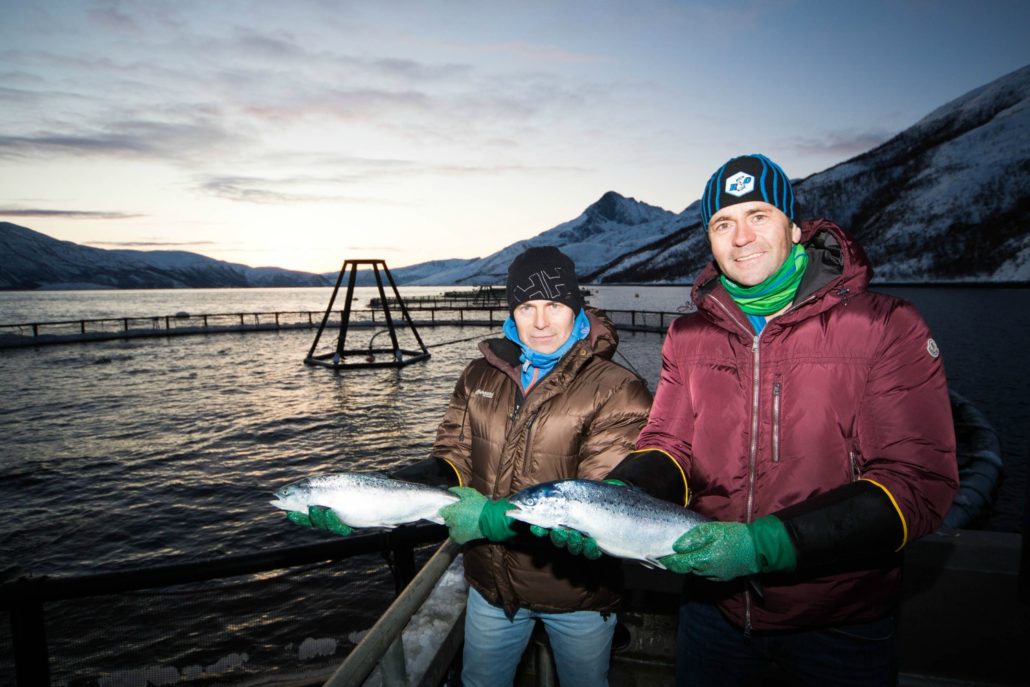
point(301, 133)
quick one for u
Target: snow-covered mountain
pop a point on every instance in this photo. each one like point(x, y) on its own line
point(611, 226)
point(31, 260)
point(946, 200)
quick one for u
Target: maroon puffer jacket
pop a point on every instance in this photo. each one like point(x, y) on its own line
point(846, 385)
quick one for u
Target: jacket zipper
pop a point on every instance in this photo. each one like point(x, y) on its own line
point(520, 399)
point(777, 396)
point(529, 435)
point(752, 449)
point(752, 460)
point(752, 453)
point(525, 452)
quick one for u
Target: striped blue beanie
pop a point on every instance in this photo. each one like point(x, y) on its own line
point(744, 179)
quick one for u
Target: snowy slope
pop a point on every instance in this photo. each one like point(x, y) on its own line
point(946, 200)
point(612, 226)
point(32, 260)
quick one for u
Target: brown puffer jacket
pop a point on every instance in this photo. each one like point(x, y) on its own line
point(578, 422)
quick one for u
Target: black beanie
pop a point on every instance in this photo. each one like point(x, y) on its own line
point(545, 274)
point(747, 178)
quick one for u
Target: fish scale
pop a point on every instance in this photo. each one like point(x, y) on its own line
point(624, 521)
point(365, 500)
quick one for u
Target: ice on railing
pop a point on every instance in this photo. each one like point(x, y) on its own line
point(430, 625)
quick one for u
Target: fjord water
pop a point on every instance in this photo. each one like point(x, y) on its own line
point(116, 455)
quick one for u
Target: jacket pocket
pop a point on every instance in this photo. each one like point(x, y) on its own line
point(777, 403)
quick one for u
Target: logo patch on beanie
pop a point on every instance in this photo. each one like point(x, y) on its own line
point(542, 286)
point(740, 184)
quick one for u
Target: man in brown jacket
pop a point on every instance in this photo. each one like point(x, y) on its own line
point(543, 403)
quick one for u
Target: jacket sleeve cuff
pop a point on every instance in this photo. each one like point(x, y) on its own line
point(654, 472)
point(773, 546)
point(493, 521)
point(854, 522)
point(436, 472)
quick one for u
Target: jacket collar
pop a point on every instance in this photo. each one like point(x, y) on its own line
point(838, 267)
point(601, 342)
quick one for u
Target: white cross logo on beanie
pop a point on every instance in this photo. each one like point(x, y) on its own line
point(740, 184)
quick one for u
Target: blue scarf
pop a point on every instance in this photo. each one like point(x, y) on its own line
point(536, 365)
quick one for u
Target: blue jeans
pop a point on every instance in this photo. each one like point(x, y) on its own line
point(712, 651)
point(581, 642)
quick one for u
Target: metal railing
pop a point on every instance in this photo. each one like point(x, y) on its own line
point(113, 328)
point(183, 324)
point(382, 645)
point(25, 599)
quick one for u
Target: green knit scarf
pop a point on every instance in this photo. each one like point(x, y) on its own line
point(773, 294)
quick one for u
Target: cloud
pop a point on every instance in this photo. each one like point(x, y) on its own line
point(169, 141)
point(197, 96)
point(355, 171)
point(378, 249)
point(840, 144)
point(545, 54)
point(66, 214)
point(258, 190)
point(149, 244)
point(109, 15)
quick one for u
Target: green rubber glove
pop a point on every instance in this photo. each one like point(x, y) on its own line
point(475, 516)
point(462, 516)
point(573, 540)
point(494, 522)
point(321, 518)
point(727, 550)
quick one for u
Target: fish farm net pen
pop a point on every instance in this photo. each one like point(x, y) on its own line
point(467, 338)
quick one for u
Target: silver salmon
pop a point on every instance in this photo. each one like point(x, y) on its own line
point(624, 521)
point(365, 500)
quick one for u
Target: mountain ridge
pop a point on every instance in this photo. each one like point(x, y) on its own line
point(946, 200)
point(33, 260)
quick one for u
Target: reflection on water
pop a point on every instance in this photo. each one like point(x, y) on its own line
point(174, 445)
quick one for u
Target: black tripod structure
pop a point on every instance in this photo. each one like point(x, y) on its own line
point(337, 358)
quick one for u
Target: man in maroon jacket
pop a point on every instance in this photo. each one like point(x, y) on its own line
point(809, 417)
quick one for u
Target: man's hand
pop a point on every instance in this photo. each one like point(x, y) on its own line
point(321, 518)
point(727, 550)
point(716, 550)
point(475, 516)
point(573, 540)
point(462, 516)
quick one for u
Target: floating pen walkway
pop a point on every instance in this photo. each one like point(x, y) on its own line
point(185, 324)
